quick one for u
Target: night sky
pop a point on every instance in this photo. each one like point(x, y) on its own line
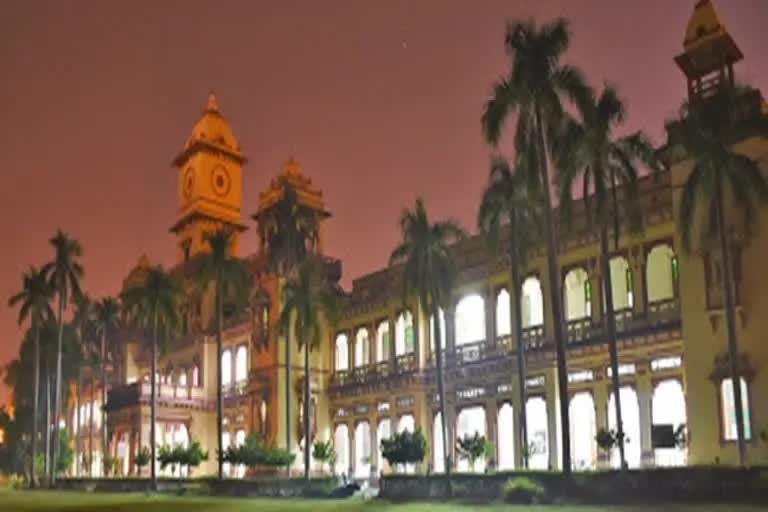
point(379, 100)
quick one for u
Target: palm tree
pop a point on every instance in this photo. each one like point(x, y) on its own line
point(34, 302)
point(507, 203)
point(153, 305)
point(231, 279)
point(429, 273)
point(589, 151)
point(532, 91)
point(64, 274)
point(289, 231)
point(720, 176)
point(309, 300)
point(106, 322)
point(82, 321)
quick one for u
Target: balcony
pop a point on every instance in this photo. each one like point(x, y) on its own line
point(234, 389)
point(139, 393)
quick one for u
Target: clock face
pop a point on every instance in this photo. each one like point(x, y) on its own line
point(189, 182)
point(221, 182)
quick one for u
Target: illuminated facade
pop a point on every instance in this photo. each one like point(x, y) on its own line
point(375, 373)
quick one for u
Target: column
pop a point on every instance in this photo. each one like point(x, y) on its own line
point(549, 320)
point(645, 398)
point(491, 429)
point(373, 344)
point(424, 420)
point(450, 418)
point(392, 356)
point(517, 426)
point(351, 342)
point(490, 316)
point(639, 294)
point(418, 324)
point(450, 329)
point(351, 427)
point(596, 284)
point(553, 418)
point(600, 396)
point(372, 432)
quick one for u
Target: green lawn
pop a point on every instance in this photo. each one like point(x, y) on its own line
point(74, 502)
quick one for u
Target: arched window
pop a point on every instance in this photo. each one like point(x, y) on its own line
point(538, 433)
point(668, 411)
point(241, 364)
point(630, 416)
point(407, 423)
point(183, 377)
point(621, 283)
point(382, 342)
point(240, 441)
point(383, 431)
point(226, 369)
point(661, 272)
point(506, 440)
point(438, 459)
point(470, 421)
point(341, 444)
point(533, 303)
point(363, 450)
point(225, 442)
point(342, 354)
point(583, 431)
point(432, 330)
point(361, 348)
point(196, 375)
point(728, 409)
point(470, 320)
point(503, 313)
point(578, 294)
point(404, 335)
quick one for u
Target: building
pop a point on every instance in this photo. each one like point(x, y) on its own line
point(375, 374)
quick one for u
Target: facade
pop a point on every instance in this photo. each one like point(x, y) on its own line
point(375, 374)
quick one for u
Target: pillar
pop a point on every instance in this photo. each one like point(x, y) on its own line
point(424, 420)
point(639, 293)
point(351, 427)
point(490, 316)
point(553, 418)
point(600, 396)
point(644, 398)
point(517, 426)
point(373, 427)
point(450, 329)
point(491, 429)
point(418, 325)
point(596, 303)
point(392, 356)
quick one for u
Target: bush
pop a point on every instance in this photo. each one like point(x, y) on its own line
point(178, 455)
point(523, 490)
point(253, 453)
point(472, 448)
point(404, 448)
point(142, 458)
point(324, 453)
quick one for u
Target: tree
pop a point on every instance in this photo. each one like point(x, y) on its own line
point(289, 231)
point(106, 319)
point(82, 321)
point(231, 280)
point(324, 453)
point(507, 202)
point(309, 300)
point(34, 301)
point(472, 448)
point(153, 305)
point(532, 90)
point(142, 459)
point(254, 453)
point(721, 184)
point(64, 273)
point(405, 447)
point(589, 151)
point(429, 273)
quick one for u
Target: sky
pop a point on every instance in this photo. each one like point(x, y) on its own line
point(379, 100)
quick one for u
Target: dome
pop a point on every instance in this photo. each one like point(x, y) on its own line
point(213, 129)
point(703, 25)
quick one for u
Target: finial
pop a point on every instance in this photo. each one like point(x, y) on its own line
point(212, 102)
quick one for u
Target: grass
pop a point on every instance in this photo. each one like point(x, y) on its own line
point(39, 501)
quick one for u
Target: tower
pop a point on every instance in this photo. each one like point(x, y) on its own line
point(710, 53)
point(209, 183)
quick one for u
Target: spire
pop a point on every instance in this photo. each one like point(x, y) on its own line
point(212, 106)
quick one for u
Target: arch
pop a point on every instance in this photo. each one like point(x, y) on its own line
point(226, 441)
point(239, 441)
point(621, 283)
point(241, 364)
point(404, 335)
point(660, 273)
point(470, 420)
point(630, 415)
point(383, 431)
point(382, 342)
point(728, 409)
point(441, 314)
point(505, 445)
point(196, 375)
point(226, 368)
point(407, 422)
point(538, 432)
point(583, 431)
point(668, 408)
point(533, 302)
point(361, 348)
point(470, 319)
point(182, 380)
point(577, 293)
point(341, 445)
point(363, 450)
point(341, 363)
point(438, 457)
point(503, 313)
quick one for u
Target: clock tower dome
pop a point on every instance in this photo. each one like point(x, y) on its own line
point(209, 183)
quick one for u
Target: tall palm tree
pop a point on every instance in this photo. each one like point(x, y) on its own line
point(309, 299)
point(532, 91)
point(64, 273)
point(429, 273)
point(106, 322)
point(82, 321)
point(720, 176)
point(508, 203)
point(34, 301)
point(231, 280)
point(590, 151)
point(289, 231)
point(153, 305)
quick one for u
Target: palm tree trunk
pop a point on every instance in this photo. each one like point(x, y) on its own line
point(219, 399)
point(441, 394)
point(555, 299)
point(522, 371)
point(47, 461)
point(76, 428)
point(153, 405)
point(35, 401)
point(90, 428)
point(57, 399)
point(103, 412)
point(288, 397)
point(610, 324)
point(730, 323)
point(307, 410)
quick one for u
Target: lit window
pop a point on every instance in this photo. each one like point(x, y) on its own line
point(581, 376)
point(621, 283)
point(666, 363)
point(183, 378)
point(533, 303)
point(578, 294)
point(361, 348)
point(342, 354)
point(404, 336)
point(624, 369)
point(241, 364)
point(226, 368)
point(196, 375)
point(382, 342)
point(534, 382)
point(503, 314)
point(661, 272)
point(432, 331)
point(729, 410)
point(470, 320)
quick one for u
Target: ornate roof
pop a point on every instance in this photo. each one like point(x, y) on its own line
point(211, 131)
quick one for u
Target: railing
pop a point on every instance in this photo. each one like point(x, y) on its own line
point(533, 337)
point(663, 311)
point(623, 319)
point(405, 362)
point(133, 394)
point(471, 352)
point(579, 329)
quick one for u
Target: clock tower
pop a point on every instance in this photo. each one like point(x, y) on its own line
point(209, 183)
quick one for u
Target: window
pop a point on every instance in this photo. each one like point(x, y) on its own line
point(661, 272)
point(470, 320)
point(382, 342)
point(363, 450)
point(583, 431)
point(226, 369)
point(538, 433)
point(505, 433)
point(728, 409)
point(621, 283)
point(183, 377)
point(578, 294)
point(404, 335)
point(438, 459)
point(533, 303)
point(196, 375)
point(240, 441)
point(225, 443)
point(241, 364)
point(666, 363)
point(503, 313)
point(341, 444)
point(361, 348)
point(432, 330)
point(342, 354)
point(383, 431)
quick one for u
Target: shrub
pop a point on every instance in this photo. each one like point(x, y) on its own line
point(253, 453)
point(523, 490)
point(142, 458)
point(189, 456)
point(404, 448)
point(472, 448)
point(608, 439)
point(324, 453)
